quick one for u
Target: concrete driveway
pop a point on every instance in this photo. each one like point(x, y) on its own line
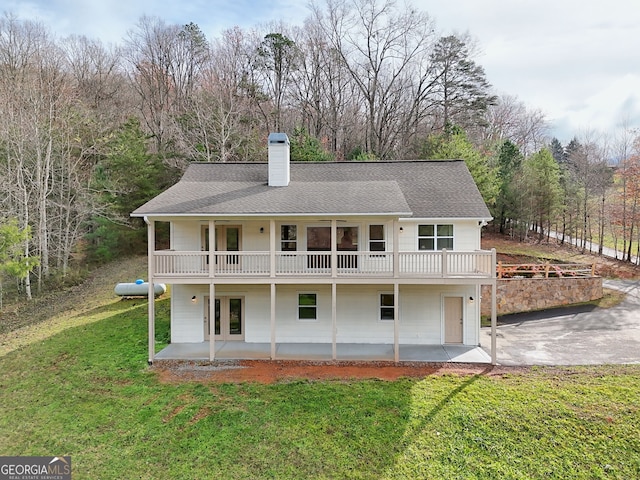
point(572, 335)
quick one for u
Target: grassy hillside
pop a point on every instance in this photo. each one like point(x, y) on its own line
point(87, 392)
point(27, 322)
point(78, 384)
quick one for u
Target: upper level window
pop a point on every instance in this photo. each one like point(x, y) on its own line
point(288, 238)
point(435, 237)
point(377, 242)
point(347, 238)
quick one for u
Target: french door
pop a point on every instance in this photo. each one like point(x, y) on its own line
point(228, 238)
point(228, 322)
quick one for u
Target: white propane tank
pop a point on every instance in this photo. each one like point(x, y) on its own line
point(138, 289)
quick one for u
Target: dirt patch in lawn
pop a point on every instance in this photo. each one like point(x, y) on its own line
point(279, 371)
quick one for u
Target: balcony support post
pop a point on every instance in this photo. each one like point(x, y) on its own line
point(334, 242)
point(273, 321)
point(272, 248)
point(151, 246)
point(396, 250)
point(212, 321)
point(396, 324)
point(334, 320)
point(444, 269)
point(494, 307)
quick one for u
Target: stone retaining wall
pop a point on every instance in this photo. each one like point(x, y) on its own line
point(526, 294)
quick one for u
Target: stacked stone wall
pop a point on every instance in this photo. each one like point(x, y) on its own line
point(515, 295)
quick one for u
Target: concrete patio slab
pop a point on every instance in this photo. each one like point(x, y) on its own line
point(303, 351)
point(323, 352)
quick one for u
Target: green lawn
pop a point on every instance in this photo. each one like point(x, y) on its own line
point(87, 392)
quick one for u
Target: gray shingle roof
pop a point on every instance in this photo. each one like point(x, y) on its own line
point(423, 189)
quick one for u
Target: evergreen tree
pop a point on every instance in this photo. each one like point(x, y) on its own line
point(305, 148)
point(277, 58)
point(14, 260)
point(461, 86)
point(127, 177)
point(509, 163)
point(454, 144)
point(557, 151)
point(542, 189)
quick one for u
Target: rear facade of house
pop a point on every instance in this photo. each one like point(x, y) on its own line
point(333, 254)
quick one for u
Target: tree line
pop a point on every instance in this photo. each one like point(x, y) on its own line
point(88, 132)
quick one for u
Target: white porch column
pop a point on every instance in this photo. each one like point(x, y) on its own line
point(494, 323)
point(212, 320)
point(273, 321)
point(212, 248)
point(272, 248)
point(396, 254)
point(396, 324)
point(151, 241)
point(334, 241)
point(334, 320)
point(494, 311)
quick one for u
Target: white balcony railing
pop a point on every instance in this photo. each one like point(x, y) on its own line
point(445, 264)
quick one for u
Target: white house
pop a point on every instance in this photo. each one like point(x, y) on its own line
point(334, 255)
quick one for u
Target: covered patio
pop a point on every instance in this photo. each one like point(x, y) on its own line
point(323, 352)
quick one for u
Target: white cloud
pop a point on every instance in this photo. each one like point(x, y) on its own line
point(575, 60)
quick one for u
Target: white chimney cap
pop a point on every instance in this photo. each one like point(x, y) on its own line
point(276, 138)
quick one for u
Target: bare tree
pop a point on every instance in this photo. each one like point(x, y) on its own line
point(381, 47)
point(99, 79)
point(587, 166)
point(624, 210)
point(219, 123)
point(510, 119)
point(166, 61)
point(324, 92)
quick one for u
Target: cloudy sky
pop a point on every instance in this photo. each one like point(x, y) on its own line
point(576, 60)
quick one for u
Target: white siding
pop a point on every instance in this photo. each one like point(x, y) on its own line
point(253, 240)
point(358, 315)
point(257, 314)
point(187, 317)
point(421, 318)
point(466, 234)
point(186, 235)
point(289, 328)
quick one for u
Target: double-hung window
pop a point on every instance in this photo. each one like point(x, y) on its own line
point(307, 306)
point(377, 242)
point(435, 237)
point(288, 238)
point(386, 304)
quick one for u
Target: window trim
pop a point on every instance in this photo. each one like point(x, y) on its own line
point(435, 237)
point(381, 307)
point(283, 241)
point(298, 306)
point(382, 241)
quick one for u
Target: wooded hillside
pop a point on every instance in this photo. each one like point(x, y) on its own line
point(88, 132)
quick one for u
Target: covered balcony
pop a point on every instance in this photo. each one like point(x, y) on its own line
point(249, 264)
